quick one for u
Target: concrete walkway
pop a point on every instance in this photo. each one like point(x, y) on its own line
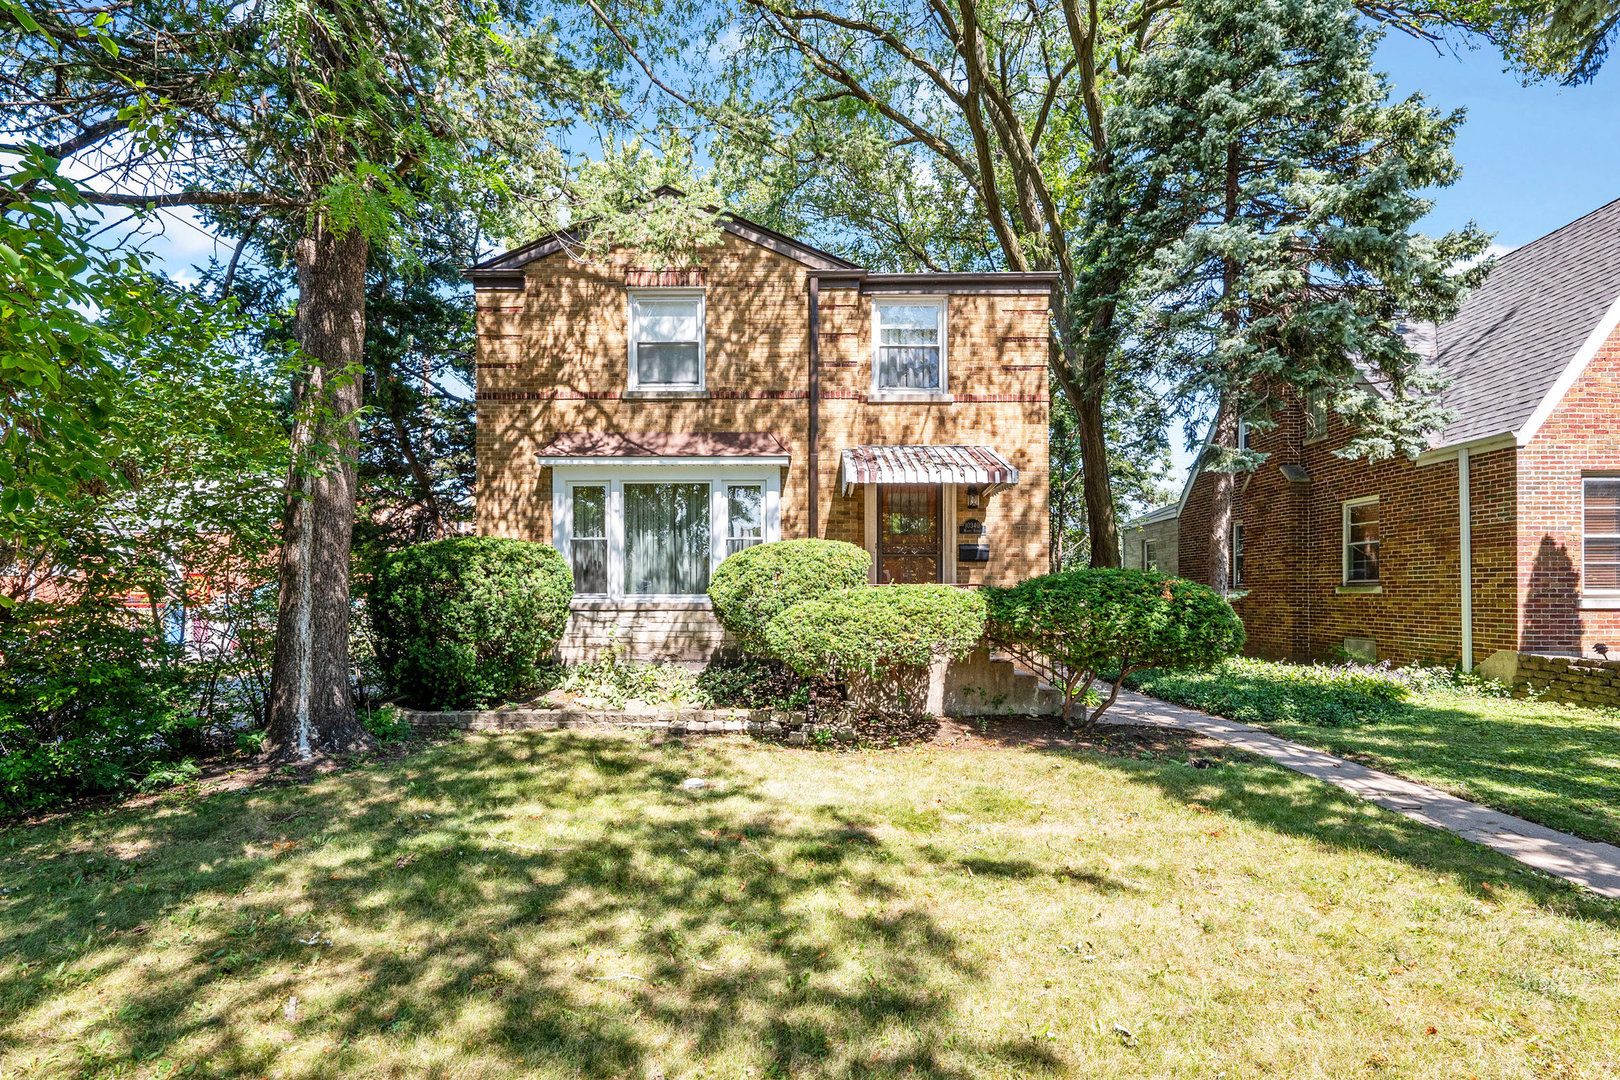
point(1594, 865)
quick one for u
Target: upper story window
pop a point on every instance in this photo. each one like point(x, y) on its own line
point(666, 339)
point(1361, 541)
point(1316, 413)
point(1600, 543)
point(908, 346)
point(1243, 434)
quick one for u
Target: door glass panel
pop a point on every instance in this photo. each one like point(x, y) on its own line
point(666, 539)
point(908, 535)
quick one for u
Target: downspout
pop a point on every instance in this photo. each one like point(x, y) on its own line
point(813, 458)
point(1465, 530)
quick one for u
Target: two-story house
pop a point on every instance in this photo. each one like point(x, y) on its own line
point(650, 422)
point(1503, 537)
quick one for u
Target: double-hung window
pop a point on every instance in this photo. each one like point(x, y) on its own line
point(1600, 540)
point(666, 339)
point(1361, 541)
point(1236, 574)
point(1150, 555)
point(908, 346)
point(659, 531)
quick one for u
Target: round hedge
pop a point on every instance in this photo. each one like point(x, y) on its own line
point(752, 587)
point(462, 622)
point(1099, 620)
point(873, 629)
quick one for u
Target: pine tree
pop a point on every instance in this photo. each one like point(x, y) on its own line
point(1284, 183)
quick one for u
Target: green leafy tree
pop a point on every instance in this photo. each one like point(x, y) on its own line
point(327, 122)
point(1285, 182)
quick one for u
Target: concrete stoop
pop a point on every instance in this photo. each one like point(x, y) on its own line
point(984, 685)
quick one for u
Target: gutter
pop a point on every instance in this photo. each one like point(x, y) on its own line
point(1465, 531)
point(814, 435)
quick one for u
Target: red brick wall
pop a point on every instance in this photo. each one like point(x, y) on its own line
point(1579, 438)
point(1293, 536)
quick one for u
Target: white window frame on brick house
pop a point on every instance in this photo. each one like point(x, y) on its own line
point(1316, 414)
point(719, 478)
point(941, 389)
point(1243, 433)
point(639, 297)
point(1234, 550)
point(1598, 597)
point(1344, 576)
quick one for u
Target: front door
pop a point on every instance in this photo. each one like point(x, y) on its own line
point(908, 534)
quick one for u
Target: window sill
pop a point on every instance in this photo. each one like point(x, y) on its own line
point(663, 395)
point(1367, 589)
point(1601, 602)
point(641, 603)
point(1236, 594)
point(905, 397)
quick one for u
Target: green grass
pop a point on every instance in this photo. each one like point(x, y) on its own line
point(1555, 764)
point(556, 906)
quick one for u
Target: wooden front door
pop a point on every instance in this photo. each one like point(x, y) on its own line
point(908, 534)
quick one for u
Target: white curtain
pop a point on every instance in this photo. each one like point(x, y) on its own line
point(666, 539)
point(908, 346)
point(667, 336)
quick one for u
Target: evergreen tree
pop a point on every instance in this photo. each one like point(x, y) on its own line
point(1283, 182)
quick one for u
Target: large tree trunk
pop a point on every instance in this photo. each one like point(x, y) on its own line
point(1223, 485)
point(1083, 385)
point(311, 711)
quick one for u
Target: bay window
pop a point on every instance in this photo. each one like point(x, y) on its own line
point(908, 345)
point(634, 532)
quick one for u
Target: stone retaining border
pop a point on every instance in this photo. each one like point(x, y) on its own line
point(795, 725)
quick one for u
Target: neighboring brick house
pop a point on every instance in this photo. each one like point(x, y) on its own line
point(1335, 557)
point(649, 422)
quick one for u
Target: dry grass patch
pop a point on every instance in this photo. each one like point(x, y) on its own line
point(557, 905)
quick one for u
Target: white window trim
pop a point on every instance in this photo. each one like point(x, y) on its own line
point(1243, 433)
point(613, 477)
point(903, 394)
point(1233, 547)
point(633, 303)
point(1601, 599)
point(1344, 542)
point(1146, 562)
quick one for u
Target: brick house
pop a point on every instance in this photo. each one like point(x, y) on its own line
point(1334, 557)
point(649, 422)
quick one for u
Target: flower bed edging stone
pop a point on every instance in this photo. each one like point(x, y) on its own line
point(795, 724)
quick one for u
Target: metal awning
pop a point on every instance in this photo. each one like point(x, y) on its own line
point(978, 465)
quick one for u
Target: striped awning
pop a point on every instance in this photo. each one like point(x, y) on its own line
point(978, 465)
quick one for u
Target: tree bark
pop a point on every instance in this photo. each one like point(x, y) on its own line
point(1220, 509)
point(310, 708)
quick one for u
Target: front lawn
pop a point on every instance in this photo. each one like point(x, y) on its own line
point(560, 906)
point(1556, 764)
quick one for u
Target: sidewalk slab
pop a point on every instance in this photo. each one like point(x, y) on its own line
point(1585, 862)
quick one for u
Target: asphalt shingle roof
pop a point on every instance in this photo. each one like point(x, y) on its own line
point(1517, 332)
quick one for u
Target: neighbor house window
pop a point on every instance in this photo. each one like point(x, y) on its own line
point(666, 340)
point(659, 531)
point(1600, 542)
point(590, 547)
point(1150, 555)
point(1236, 568)
point(1361, 541)
point(745, 516)
point(1316, 413)
point(908, 348)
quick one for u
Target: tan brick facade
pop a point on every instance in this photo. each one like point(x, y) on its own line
point(1526, 519)
point(553, 358)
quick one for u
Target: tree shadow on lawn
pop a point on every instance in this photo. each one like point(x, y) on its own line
point(1263, 792)
point(663, 925)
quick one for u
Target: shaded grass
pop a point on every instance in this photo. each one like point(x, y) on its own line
point(555, 905)
point(1555, 764)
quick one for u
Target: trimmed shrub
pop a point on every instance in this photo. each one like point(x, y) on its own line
point(757, 584)
point(1073, 625)
point(460, 623)
point(876, 633)
point(89, 704)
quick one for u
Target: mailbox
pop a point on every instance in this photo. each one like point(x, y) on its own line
point(971, 544)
